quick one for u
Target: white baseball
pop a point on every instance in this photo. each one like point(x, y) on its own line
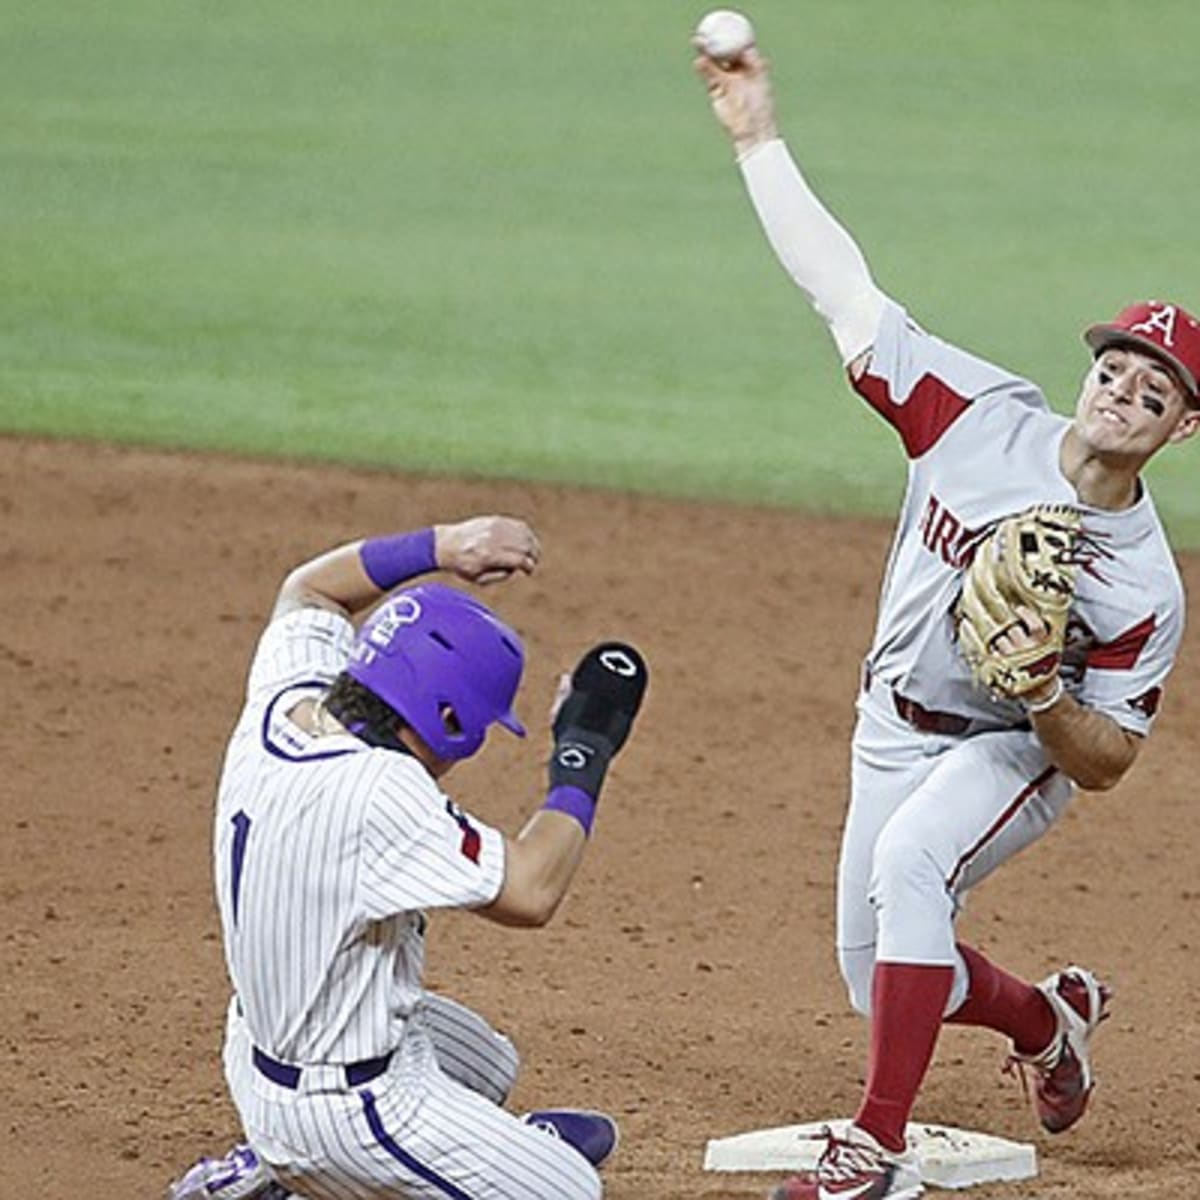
point(724, 34)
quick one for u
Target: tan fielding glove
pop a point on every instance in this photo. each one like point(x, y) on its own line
point(1027, 561)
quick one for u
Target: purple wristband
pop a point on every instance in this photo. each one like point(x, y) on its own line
point(573, 801)
point(389, 561)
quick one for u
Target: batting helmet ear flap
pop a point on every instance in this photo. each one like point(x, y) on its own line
point(445, 662)
point(450, 721)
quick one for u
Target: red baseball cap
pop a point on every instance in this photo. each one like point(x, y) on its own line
point(1167, 331)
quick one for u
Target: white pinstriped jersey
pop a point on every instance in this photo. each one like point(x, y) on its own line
point(982, 443)
point(326, 852)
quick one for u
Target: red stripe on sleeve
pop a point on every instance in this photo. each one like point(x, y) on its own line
point(1124, 650)
point(931, 408)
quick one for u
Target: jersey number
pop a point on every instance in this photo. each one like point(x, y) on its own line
point(471, 843)
point(241, 831)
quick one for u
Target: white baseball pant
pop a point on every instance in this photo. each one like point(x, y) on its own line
point(930, 816)
point(429, 1128)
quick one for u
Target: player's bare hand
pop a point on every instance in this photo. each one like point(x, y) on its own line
point(487, 549)
point(561, 691)
point(1030, 630)
point(740, 92)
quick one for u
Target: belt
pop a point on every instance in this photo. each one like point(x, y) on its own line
point(922, 719)
point(288, 1076)
point(926, 720)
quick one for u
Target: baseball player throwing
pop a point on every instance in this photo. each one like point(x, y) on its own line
point(1030, 613)
point(334, 839)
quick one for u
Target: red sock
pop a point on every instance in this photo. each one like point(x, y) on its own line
point(907, 1003)
point(1000, 1001)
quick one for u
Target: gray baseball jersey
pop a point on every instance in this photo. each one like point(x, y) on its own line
point(941, 808)
point(982, 443)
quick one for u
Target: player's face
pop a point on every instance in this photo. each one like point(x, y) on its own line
point(1131, 405)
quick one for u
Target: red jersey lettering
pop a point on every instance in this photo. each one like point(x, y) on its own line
point(945, 535)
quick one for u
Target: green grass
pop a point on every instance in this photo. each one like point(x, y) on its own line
point(505, 238)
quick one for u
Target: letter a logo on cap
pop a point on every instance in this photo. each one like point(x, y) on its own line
point(1162, 321)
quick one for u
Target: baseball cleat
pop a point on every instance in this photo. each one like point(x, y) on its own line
point(593, 1134)
point(240, 1175)
point(854, 1167)
point(1063, 1071)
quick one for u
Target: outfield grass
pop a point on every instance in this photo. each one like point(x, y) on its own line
point(504, 237)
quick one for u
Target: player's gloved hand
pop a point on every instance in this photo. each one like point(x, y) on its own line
point(1012, 614)
point(596, 714)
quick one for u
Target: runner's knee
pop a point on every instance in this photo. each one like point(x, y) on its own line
point(503, 1063)
point(470, 1050)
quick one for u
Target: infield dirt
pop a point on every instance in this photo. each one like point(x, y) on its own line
point(688, 984)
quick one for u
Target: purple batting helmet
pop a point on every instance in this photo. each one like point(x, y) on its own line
point(446, 663)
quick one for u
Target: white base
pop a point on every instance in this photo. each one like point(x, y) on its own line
point(947, 1157)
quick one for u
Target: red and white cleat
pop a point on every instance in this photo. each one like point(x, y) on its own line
point(854, 1167)
point(1063, 1077)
